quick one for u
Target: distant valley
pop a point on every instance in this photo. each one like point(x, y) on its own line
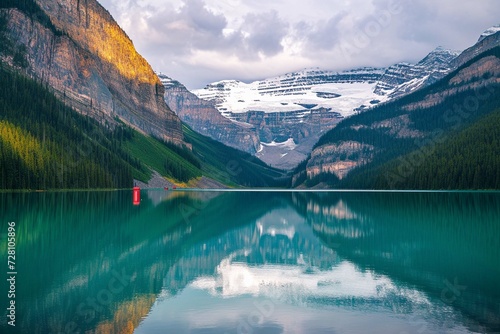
point(301, 106)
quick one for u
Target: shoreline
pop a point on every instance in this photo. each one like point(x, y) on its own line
point(253, 190)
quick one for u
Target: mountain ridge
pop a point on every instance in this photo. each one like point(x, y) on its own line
point(299, 82)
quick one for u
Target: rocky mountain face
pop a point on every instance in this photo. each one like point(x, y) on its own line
point(301, 106)
point(403, 78)
point(488, 40)
point(91, 64)
point(285, 125)
point(416, 120)
point(204, 118)
point(348, 154)
point(288, 137)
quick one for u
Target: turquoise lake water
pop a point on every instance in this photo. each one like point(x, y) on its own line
point(252, 262)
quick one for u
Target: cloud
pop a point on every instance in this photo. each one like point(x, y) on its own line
point(200, 41)
point(264, 33)
point(322, 35)
point(192, 27)
point(176, 31)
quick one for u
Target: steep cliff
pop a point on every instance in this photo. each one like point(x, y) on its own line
point(204, 118)
point(92, 65)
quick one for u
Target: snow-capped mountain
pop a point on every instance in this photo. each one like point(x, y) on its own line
point(296, 108)
point(300, 91)
point(284, 116)
point(489, 39)
point(404, 78)
point(344, 92)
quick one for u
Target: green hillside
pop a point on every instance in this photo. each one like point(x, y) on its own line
point(167, 159)
point(232, 166)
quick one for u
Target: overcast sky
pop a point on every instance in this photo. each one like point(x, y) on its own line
point(202, 41)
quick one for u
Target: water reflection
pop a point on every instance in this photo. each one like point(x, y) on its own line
point(255, 262)
point(443, 244)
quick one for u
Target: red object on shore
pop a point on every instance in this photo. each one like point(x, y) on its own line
point(165, 188)
point(175, 187)
point(136, 195)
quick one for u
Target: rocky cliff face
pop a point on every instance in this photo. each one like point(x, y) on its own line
point(204, 118)
point(403, 78)
point(339, 159)
point(280, 126)
point(93, 66)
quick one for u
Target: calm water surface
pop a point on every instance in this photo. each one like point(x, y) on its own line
point(253, 262)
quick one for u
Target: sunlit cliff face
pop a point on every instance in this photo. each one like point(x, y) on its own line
point(107, 39)
point(93, 66)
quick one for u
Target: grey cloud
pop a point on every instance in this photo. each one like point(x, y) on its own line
point(323, 35)
point(432, 23)
point(192, 27)
point(171, 39)
point(266, 31)
point(201, 18)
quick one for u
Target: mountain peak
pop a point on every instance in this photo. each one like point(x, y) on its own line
point(490, 31)
point(439, 58)
point(440, 50)
point(168, 81)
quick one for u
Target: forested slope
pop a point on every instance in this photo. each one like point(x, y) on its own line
point(469, 159)
point(364, 148)
point(45, 145)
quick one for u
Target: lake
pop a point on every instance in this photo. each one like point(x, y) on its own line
point(252, 262)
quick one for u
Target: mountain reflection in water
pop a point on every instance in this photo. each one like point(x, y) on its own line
point(255, 262)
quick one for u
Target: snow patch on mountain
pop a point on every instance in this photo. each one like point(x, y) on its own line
point(344, 92)
point(290, 112)
point(288, 144)
point(490, 31)
point(341, 92)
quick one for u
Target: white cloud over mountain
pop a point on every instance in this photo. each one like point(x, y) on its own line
point(201, 41)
